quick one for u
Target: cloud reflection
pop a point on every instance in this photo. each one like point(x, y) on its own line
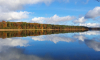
point(80, 37)
point(11, 42)
point(90, 33)
point(53, 38)
point(16, 54)
point(93, 44)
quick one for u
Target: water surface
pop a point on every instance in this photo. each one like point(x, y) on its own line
point(49, 46)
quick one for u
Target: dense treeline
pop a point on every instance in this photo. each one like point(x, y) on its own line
point(98, 28)
point(24, 25)
point(24, 33)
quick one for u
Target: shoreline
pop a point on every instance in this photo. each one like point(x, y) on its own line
point(38, 29)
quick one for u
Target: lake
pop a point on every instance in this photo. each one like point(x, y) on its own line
point(50, 45)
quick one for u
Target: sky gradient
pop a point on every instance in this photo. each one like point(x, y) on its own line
point(62, 12)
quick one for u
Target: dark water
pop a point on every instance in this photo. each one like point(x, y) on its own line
point(60, 46)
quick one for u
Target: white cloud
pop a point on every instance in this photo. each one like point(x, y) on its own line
point(52, 20)
point(13, 15)
point(90, 33)
point(93, 13)
point(93, 44)
point(91, 24)
point(80, 20)
point(53, 38)
point(38, 19)
point(8, 8)
point(18, 4)
point(80, 37)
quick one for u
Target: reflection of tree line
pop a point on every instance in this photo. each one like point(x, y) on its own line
point(24, 33)
point(24, 25)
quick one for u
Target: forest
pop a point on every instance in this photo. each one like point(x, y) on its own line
point(25, 25)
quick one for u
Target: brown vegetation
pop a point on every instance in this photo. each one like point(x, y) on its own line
point(15, 26)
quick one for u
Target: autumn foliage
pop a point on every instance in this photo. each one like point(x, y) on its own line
point(24, 25)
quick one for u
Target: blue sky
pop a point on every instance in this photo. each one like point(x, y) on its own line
point(62, 12)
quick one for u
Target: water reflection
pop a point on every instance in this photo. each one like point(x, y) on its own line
point(16, 54)
point(24, 33)
point(63, 46)
point(80, 37)
point(54, 38)
point(93, 44)
point(13, 42)
point(90, 33)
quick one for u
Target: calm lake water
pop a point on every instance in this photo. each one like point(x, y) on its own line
point(62, 46)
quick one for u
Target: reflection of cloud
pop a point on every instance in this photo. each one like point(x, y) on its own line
point(53, 38)
point(12, 42)
point(16, 54)
point(90, 33)
point(8, 42)
point(80, 37)
point(93, 44)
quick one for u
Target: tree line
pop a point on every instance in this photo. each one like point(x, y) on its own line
point(25, 25)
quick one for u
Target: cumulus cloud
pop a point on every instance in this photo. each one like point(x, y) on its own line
point(18, 4)
point(13, 15)
point(53, 38)
point(80, 37)
point(8, 8)
point(90, 33)
point(38, 19)
point(52, 20)
point(11, 6)
point(90, 24)
point(93, 13)
point(90, 14)
point(80, 20)
point(93, 44)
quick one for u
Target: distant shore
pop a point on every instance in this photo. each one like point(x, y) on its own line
point(18, 26)
point(36, 29)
